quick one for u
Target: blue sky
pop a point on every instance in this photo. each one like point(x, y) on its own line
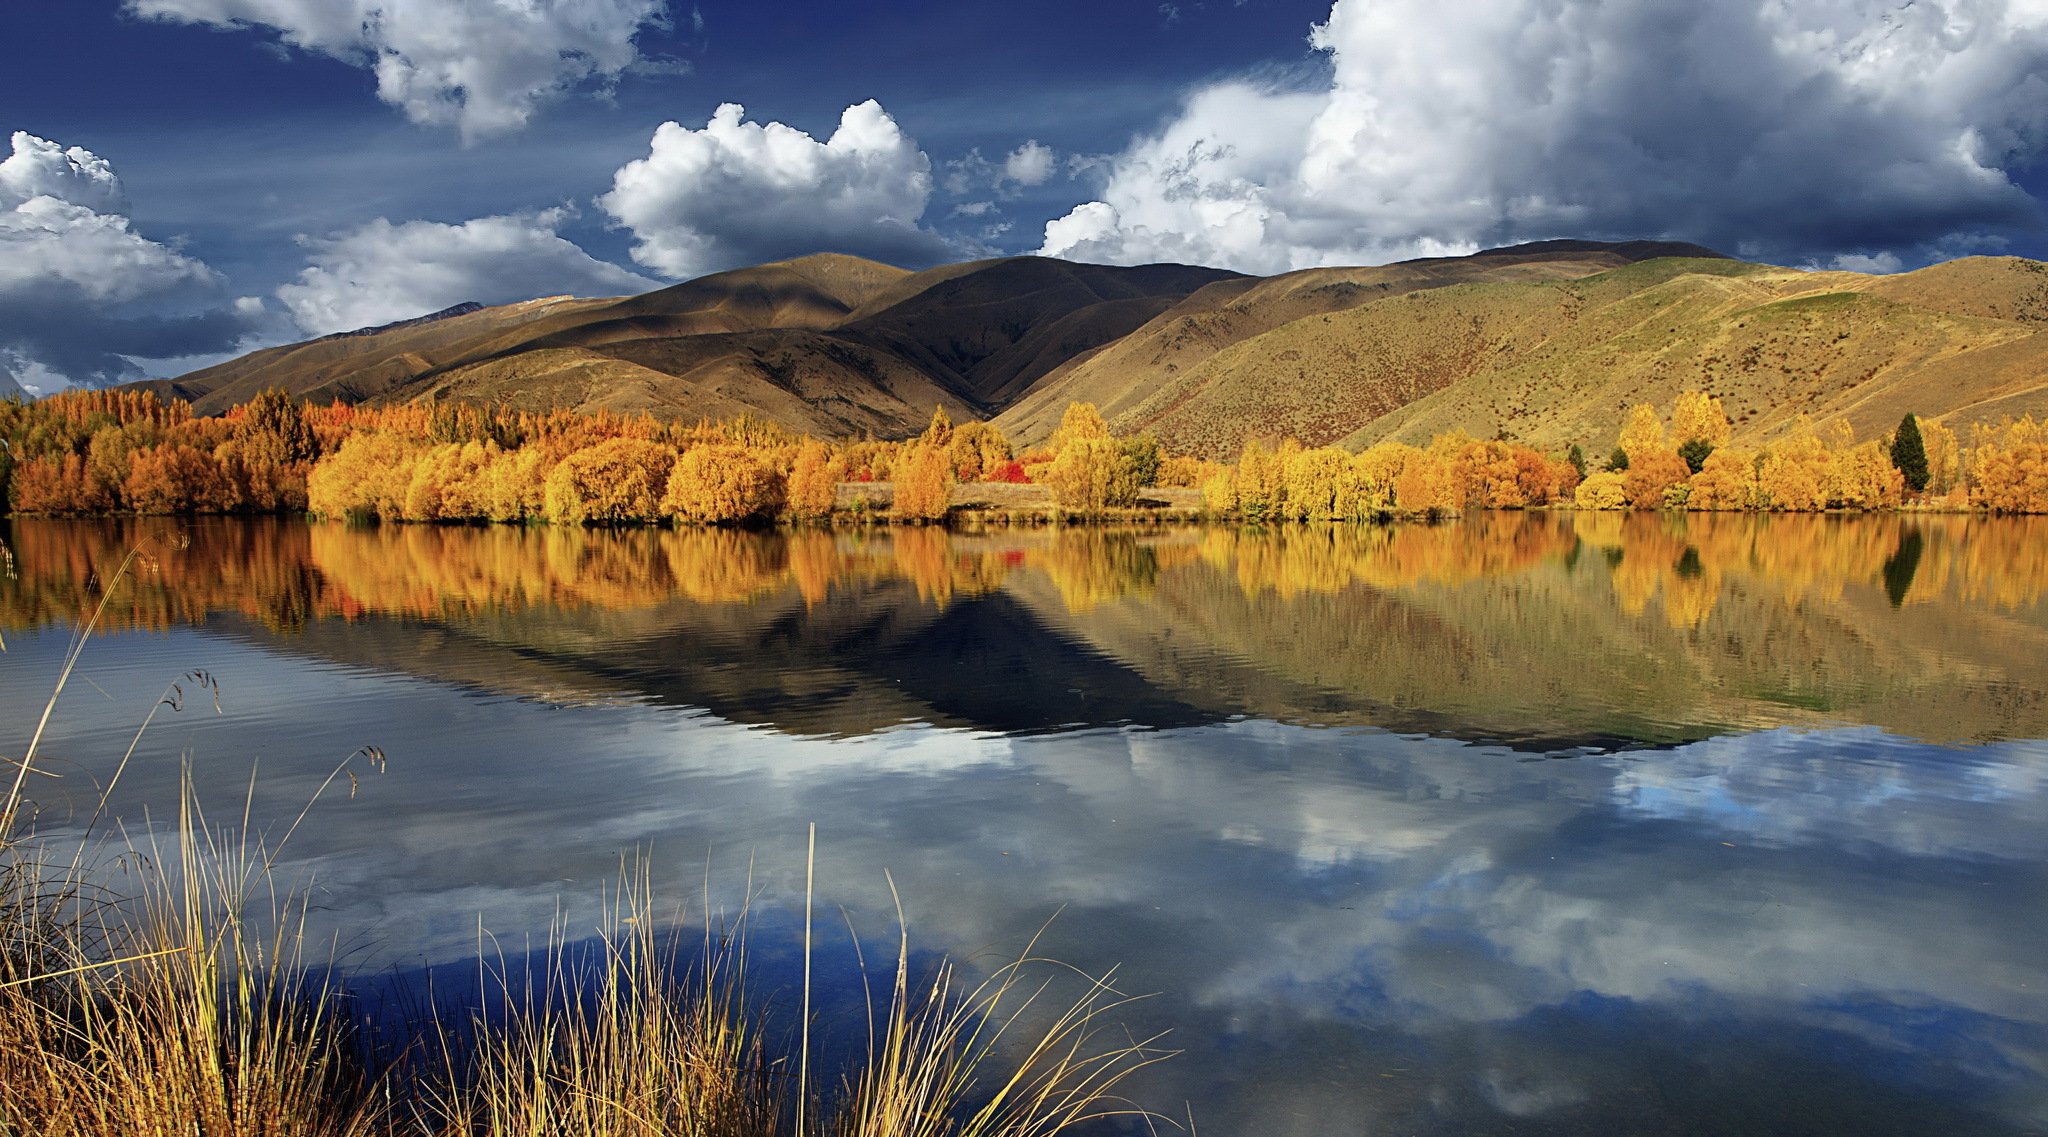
point(191, 178)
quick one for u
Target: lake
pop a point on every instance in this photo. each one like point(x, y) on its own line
point(1543, 823)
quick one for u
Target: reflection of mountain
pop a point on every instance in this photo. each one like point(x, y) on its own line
point(1540, 630)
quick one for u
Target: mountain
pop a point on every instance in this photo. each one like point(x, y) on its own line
point(1549, 342)
point(827, 344)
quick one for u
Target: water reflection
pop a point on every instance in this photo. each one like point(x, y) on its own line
point(1790, 914)
point(1545, 631)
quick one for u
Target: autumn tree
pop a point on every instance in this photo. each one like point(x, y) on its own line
point(2010, 465)
point(977, 451)
point(176, 478)
point(1698, 418)
point(617, 481)
point(367, 476)
point(1654, 465)
point(924, 484)
point(1602, 490)
point(1727, 480)
point(1090, 475)
point(722, 484)
point(939, 432)
point(272, 426)
point(1797, 472)
point(814, 482)
point(1258, 483)
point(1081, 420)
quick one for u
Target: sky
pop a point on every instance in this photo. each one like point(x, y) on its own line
point(185, 180)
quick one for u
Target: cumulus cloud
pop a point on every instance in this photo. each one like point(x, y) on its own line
point(1030, 164)
point(480, 65)
point(381, 272)
point(1791, 129)
point(739, 192)
point(82, 294)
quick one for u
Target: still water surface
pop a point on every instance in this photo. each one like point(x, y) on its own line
point(1527, 824)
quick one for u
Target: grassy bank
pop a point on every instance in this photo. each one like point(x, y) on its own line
point(166, 987)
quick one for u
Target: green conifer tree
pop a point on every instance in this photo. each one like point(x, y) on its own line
point(1909, 454)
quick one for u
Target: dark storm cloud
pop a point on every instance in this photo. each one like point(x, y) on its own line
point(1787, 130)
point(80, 289)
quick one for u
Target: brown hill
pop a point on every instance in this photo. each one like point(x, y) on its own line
point(1151, 368)
point(1550, 343)
point(827, 344)
point(1960, 342)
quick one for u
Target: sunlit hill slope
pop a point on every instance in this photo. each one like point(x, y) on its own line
point(1550, 343)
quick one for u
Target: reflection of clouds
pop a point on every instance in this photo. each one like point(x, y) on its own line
point(1852, 788)
point(1331, 904)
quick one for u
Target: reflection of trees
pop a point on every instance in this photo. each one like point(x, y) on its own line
point(1091, 566)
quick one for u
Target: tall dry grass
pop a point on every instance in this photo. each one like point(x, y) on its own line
point(188, 1004)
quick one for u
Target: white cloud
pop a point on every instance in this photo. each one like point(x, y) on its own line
point(82, 294)
point(1879, 264)
point(38, 167)
point(481, 65)
point(739, 192)
point(1030, 164)
point(381, 272)
point(1789, 128)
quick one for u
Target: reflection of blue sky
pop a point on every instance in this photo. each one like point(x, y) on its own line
point(1319, 908)
point(1852, 787)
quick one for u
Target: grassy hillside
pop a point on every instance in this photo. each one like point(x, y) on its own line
point(1772, 344)
point(832, 345)
point(1155, 363)
point(1550, 343)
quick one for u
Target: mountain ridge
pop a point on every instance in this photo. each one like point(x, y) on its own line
point(1548, 341)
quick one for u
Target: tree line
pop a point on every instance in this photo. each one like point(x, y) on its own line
point(85, 453)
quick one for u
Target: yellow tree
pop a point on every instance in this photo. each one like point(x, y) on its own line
point(1081, 420)
point(719, 484)
point(2010, 465)
point(368, 476)
point(924, 484)
point(1797, 473)
point(1653, 464)
point(1699, 417)
point(976, 450)
point(1092, 474)
point(940, 430)
point(1727, 480)
point(616, 481)
point(1602, 490)
point(1258, 484)
point(813, 482)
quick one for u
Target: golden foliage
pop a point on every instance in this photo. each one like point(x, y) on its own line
point(813, 482)
point(1653, 471)
point(1726, 481)
point(1601, 490)
point(977, 450)
point(2010, 467)
point(1798, 473)
point(721, 484)
point(1081, 420)
point(1698, 416)
point(924, 484)
point(1431, 483)
point(620, 480)
point(1090, 475)
point(367, 476)
point(1643, 433)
